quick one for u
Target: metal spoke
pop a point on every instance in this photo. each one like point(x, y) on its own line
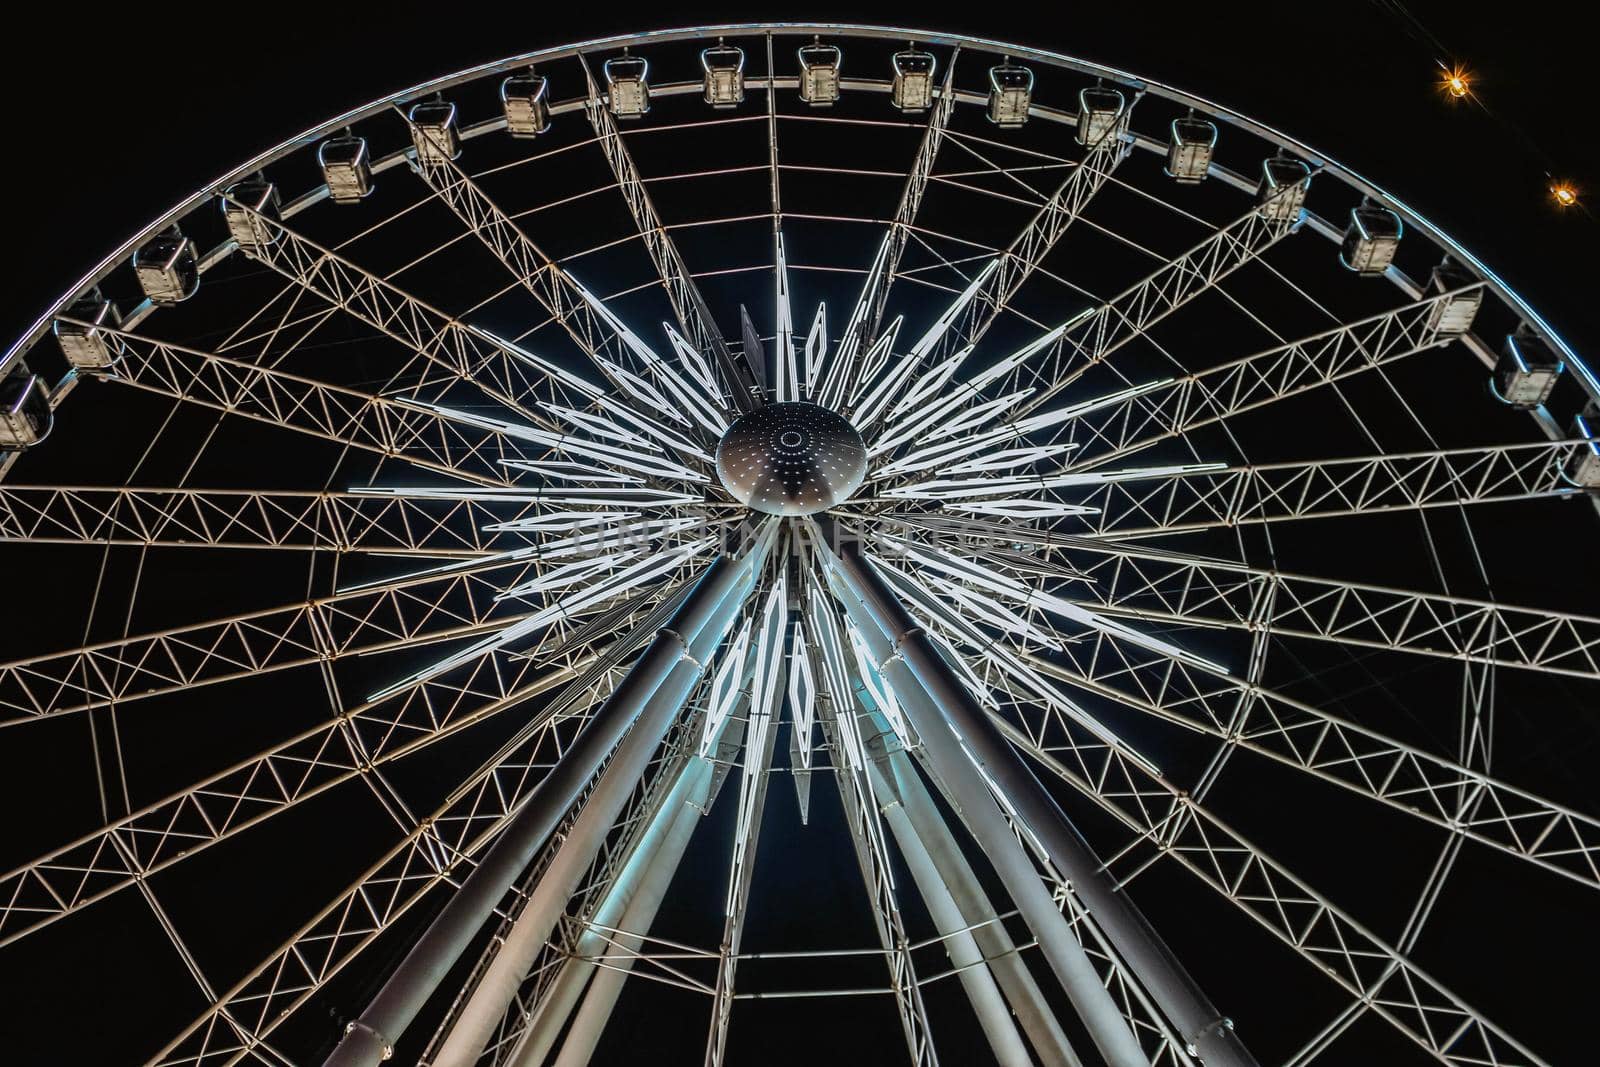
point(1231, 496)
point(389, 615)
point(240, 518)
point(1256, 381)
point(876, 293)
point(687, 304)
point(1095, 335)
point(453, 351)
point(353, 744)
point(348, 417)
point(1331, 941)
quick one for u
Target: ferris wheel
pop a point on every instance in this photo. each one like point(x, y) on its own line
point(507, 542)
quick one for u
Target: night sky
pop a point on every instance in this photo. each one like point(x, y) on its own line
point(117, 114)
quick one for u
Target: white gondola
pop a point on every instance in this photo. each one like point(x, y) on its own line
point(250, 207)
point(1526, 371)
point(1453, 315)
point(346, 167)
point(912, 89)
point(1371, 240)
point(526, 101)
point(1100, 114)
point(1583, 469)
point(83, 340)
point(168, 268)
point(1282, 192)
point(433, 131)
point(627, 86)
point(1010, 94)
point(1189, 150)
point(25, 416)
point(724, 71)
point(819, 74)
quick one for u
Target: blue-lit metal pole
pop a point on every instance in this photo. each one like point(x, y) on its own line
point(1208, 1033)
point(925, 829)
point(972, 970)
point(370, 1039)
point(970, 795)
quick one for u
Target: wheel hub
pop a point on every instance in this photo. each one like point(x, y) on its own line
point(794, 458)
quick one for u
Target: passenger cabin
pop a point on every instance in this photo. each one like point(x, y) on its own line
point(912, 89)
point(724, 71)
point(1282, 192)
point(168, 268)
point(433, 131)
point(1453, 315)
point(83, 339)
point(819, 74)
point(627, 86)
point(346, 167)
point(250, 208)
point(1100, 114)
point(1189, 150)
point(1526, 371)
point(526, 101)
point(1010, 94)
point(1583, 469)
point(25, 415)
point(1371, 240)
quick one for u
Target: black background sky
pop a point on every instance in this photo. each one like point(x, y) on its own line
point(118, 113)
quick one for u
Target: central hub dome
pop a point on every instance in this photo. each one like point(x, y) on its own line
point(794, 458)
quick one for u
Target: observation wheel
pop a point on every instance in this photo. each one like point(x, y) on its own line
point(775, 541)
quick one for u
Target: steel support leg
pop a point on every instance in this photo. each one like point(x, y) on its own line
point(501, 979)
point(982, 814)
point(606, 985)
point(1038, 1021)
point(628, 905)
point(976, 980)
point(1209, 1034)
point(370, 1039)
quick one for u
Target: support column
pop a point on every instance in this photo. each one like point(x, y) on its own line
point(645, 877)
point(1209, 1034)
point(976, 980)
point(501, 979)
point(1011, 972)
point(370, 1039)
point(980, 811)
point(636, 920)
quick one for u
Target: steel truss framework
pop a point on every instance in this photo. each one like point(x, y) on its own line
point(520, 575)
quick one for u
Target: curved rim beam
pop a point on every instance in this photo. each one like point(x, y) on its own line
point(1325, 163)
